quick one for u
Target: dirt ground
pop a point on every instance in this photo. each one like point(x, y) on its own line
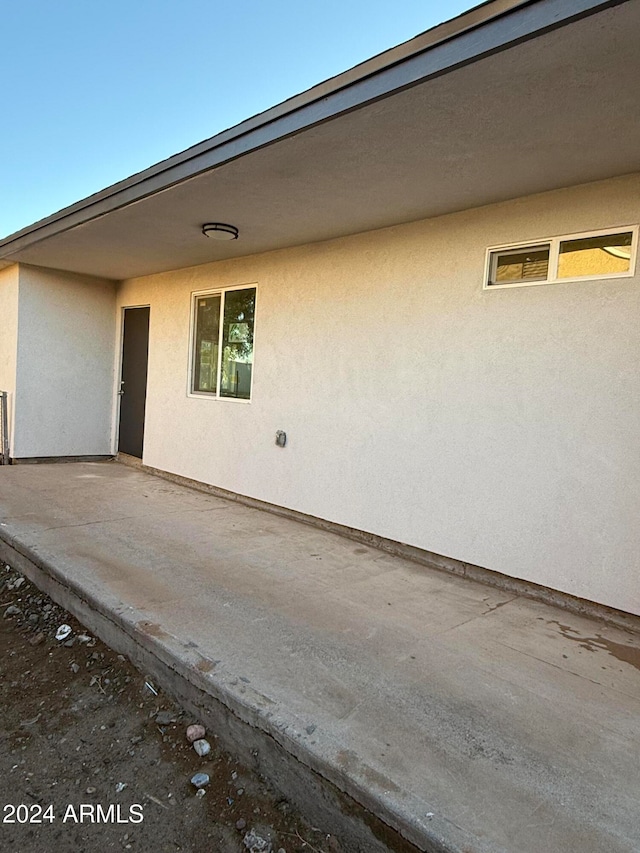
point(78, 726)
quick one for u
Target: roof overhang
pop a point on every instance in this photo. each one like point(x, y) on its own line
point(509, 99)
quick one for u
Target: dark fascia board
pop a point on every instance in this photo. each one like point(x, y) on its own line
point(487, 29)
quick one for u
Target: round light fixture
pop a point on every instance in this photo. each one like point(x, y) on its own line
point(220, 231)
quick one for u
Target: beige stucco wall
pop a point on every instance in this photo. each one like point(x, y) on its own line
point(9, 337)
point(64, 398)
point(499, 428)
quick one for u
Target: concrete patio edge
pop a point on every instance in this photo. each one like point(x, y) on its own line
point(353, 803)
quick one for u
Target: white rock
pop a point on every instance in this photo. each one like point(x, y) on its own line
point(63, 632)
point(256, 843)
point(202, 747)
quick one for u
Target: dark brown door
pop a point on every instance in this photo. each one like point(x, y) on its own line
point(133, 382)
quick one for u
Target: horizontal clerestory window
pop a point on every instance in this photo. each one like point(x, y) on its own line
point(222, 343)
point(573, 257)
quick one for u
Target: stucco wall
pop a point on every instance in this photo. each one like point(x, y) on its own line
point(499, 428)
point(9, 337)
point(65, 364)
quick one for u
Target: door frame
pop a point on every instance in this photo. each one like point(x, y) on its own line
point(118, 372)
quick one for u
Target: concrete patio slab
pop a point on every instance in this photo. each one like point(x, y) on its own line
point(464, 717)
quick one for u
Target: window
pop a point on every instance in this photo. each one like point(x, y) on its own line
point(528, 264)
point(607, 254)
point(222, 352)
point(602, 256)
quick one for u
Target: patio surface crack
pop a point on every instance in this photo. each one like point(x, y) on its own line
point(89, 523)
point(479, 615)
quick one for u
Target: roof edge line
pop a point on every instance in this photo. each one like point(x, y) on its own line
point(278, 123)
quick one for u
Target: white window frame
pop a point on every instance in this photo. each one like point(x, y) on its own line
point(554, 251)
point(215, 291)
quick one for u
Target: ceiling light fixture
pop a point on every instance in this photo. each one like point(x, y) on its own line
point(220, 231)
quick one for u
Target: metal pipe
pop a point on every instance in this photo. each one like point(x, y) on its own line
point(4, 427)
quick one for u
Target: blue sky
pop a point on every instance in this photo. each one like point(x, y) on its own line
point(94, 92)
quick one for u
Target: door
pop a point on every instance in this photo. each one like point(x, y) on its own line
point(133, 380)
